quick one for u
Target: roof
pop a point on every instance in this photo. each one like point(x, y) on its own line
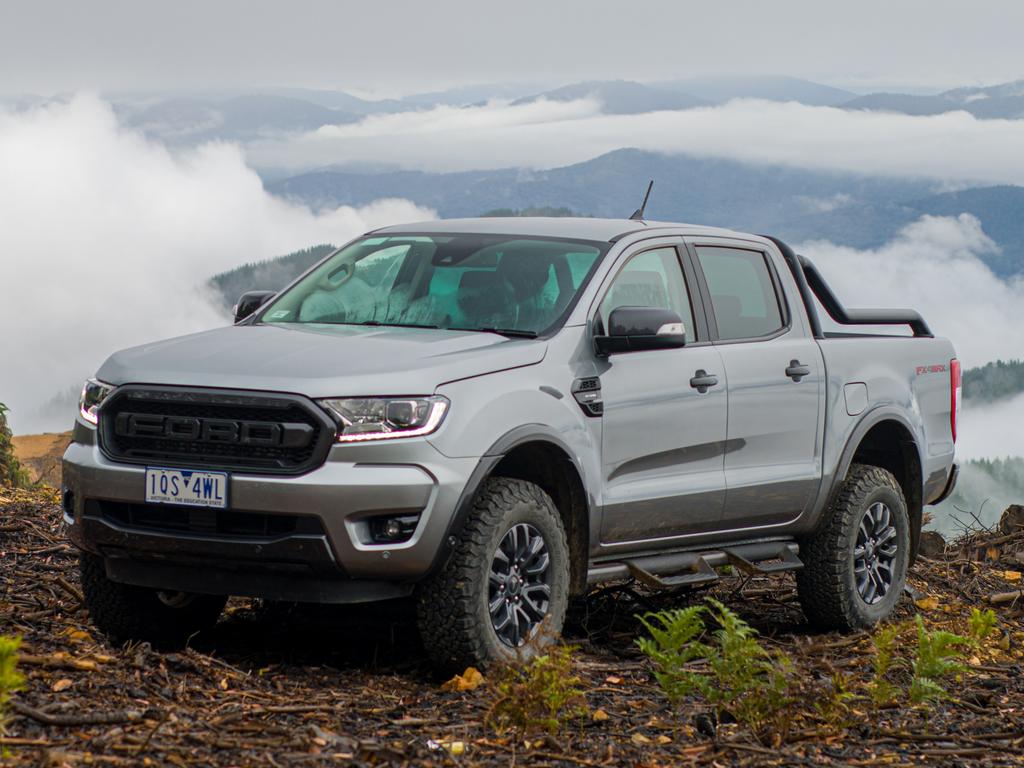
point(567, 227)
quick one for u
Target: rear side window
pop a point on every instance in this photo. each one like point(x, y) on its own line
point(743, 296)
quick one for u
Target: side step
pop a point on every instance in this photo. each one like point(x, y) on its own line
point(698, 567)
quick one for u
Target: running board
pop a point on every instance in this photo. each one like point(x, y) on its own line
point(698, 567)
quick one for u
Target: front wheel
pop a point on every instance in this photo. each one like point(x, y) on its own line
point(124, 612)
point(504, 591)
point(855, 565)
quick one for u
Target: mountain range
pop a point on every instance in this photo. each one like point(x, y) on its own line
point(798, 205)
point(252, 115)
point(1005, 101)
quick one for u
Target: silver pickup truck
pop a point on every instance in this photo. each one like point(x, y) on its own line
point(493, 415)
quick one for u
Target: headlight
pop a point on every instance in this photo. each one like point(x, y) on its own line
point(93, 394)
point(385, 418)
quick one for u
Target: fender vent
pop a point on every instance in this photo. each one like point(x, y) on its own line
point(588, 394)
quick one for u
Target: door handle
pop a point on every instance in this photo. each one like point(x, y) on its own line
point(702, 380)
point(797, 370)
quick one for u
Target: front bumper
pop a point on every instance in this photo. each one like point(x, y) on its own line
point(299, 538)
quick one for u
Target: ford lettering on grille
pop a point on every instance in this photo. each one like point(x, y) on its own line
point(206, 430)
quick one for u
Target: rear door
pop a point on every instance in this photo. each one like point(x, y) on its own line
point(775, 373)
point(662, 438)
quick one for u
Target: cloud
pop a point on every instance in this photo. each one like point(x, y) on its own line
point(933, 266)
point(990, 431)
point(546, 134)
point(107, 241)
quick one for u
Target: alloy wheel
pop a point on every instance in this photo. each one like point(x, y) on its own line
point(874, 554)
point(518, 588)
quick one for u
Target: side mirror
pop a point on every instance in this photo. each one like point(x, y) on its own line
point(250, 301)
point(632, 329)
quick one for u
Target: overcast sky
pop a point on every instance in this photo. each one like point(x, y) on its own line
point(398, 46)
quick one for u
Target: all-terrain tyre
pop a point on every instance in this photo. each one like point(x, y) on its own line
point(503, 593)
point(855, 565)
point(124, 612)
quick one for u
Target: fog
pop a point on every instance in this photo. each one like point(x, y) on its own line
point(544, 134)
point(107, 241)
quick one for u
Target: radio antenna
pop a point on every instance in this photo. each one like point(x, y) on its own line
point(638, 214)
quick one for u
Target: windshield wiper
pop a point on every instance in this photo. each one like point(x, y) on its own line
point(513, 333)
point(391, 325)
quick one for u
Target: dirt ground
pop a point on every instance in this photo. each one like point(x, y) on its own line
point(302, 686)
point(41, 454)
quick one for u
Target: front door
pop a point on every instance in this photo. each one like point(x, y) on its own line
point(775, 370)
point(664, 421)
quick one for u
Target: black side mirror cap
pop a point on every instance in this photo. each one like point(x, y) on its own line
point(633, 329)
point(249, 302)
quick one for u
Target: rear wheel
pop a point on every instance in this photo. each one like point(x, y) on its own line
point(855, 566)
point(503, 593)
point(124, 612)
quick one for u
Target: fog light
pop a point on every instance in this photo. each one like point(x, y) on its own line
point(393, 530)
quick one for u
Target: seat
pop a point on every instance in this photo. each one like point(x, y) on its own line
point(526, 274)
point(484, 299)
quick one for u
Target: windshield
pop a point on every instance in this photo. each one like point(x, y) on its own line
point(520, 286)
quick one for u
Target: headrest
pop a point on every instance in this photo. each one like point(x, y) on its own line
point(481, 292)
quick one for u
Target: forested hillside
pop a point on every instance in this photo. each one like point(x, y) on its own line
point(271, 274)
point(994, 381)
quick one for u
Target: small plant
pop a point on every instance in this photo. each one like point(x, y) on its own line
point(11, 471)
point(881, 690)
point(541, 695)
point(834, 706)
point(980, 626)
point(935, 658)
point(743, 679)
point(10, 679)
point(673, 643)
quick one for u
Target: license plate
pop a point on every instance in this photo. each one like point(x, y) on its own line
point(186, 487)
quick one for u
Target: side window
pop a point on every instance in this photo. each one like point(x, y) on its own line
point(650, 279)
point(742, 294)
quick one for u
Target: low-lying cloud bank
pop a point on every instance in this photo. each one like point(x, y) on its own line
point(933, 267)
point(108, 240)
point(545, 134)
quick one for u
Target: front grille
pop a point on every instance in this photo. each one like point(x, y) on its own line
point(214, 429)
point(203, 522)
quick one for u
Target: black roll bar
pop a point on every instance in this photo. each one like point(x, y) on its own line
point(809, 279)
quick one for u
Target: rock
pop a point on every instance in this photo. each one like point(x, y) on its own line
point(932, 545)
point(1012, 520)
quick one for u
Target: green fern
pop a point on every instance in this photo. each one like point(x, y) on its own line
point(743, 679)
point(881, 689)
point(672, 645)
point(10, 679)
point(936, 657)
point(981, 625)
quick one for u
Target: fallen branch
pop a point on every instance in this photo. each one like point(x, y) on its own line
point(99, 718)
point(999, 598)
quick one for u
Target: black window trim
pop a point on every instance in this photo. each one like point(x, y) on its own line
point(702, 332)
point(780, 295)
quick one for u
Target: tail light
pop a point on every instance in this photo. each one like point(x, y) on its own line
point(954, 395)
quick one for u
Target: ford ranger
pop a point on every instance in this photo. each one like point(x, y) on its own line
point(493, 415)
